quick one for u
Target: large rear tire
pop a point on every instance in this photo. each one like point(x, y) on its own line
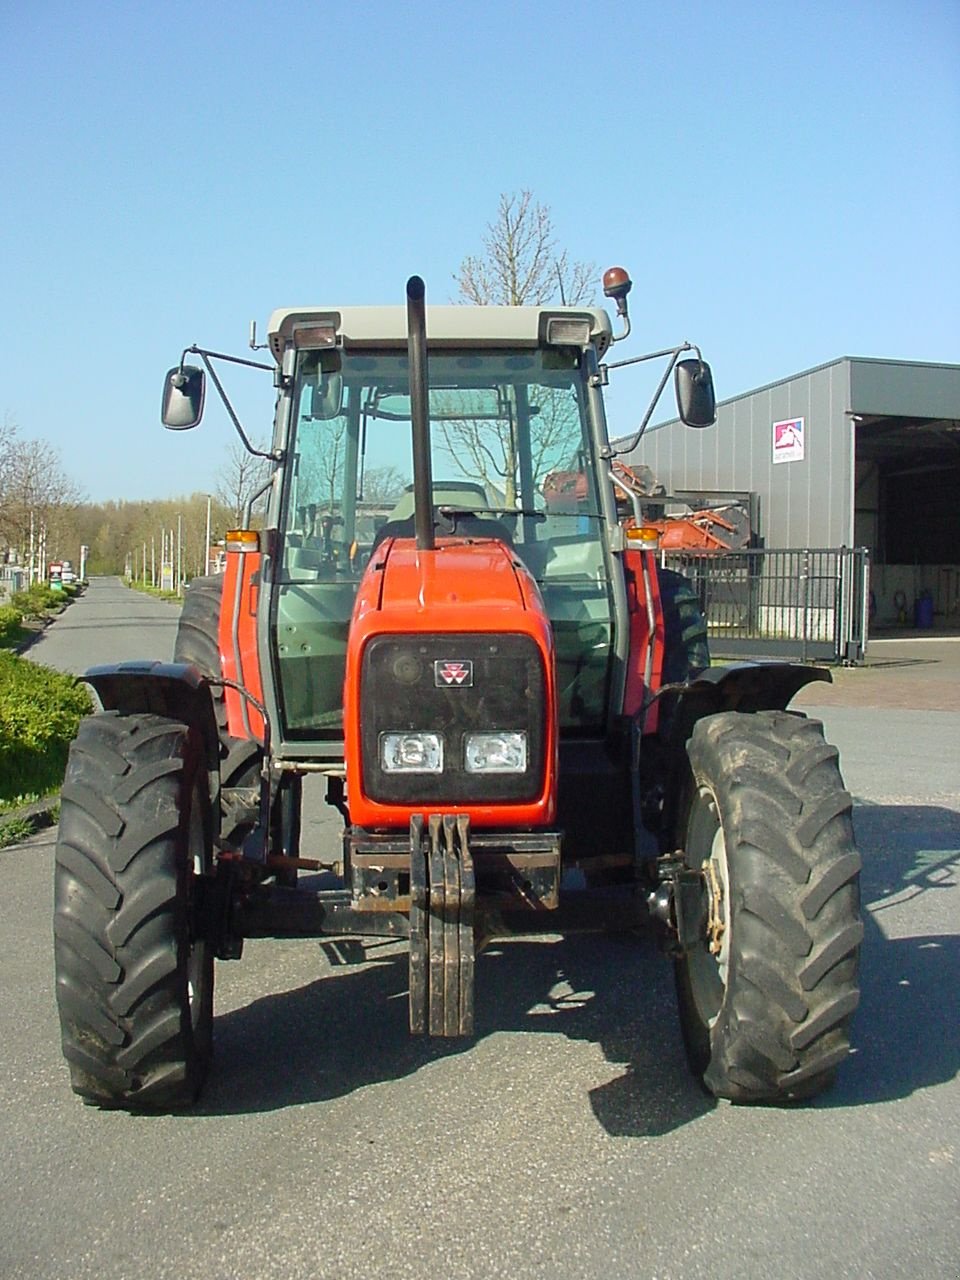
point(134, 980)
point(198, 641)
point(686, 650)
point(767, 996)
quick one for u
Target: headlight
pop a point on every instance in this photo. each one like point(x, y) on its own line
point(503, 751)
point(411, 753)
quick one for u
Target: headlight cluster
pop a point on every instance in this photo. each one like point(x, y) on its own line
point(411, 752)
point(499, 751)
point(453, 719)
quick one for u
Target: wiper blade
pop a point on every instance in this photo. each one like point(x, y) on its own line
point(449, 511)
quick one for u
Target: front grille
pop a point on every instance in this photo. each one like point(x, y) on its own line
point(495, 682)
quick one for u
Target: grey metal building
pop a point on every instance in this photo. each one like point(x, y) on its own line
point(858, 452)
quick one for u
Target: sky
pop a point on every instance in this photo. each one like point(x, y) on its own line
point(782, 182)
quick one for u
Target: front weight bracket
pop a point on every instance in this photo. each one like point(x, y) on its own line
point(442, 906)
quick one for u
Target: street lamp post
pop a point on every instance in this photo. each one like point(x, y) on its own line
point(206, 545)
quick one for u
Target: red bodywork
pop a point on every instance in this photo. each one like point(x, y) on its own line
point(460, 586)
point(645, 663)
point(239, 659)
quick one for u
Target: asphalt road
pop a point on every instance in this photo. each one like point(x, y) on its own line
point(566, 1140)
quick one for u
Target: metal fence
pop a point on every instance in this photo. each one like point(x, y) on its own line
point(805, 604)
point(12, 579)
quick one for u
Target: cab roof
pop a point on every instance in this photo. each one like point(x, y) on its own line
point(446, 326)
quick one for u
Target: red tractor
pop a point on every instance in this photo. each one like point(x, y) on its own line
point(511, 705)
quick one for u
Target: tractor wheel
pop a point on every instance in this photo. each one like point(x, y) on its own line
point(134, 980)
point(198, 641)
point(766, 997)
point(685, 630)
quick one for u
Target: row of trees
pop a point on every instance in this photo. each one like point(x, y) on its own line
point(38, 500)
point(137, 538)
point(42, 513)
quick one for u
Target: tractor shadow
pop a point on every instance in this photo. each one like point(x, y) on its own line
point(347, 1030)
point(906, 1034)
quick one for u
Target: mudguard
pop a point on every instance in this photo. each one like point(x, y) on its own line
point(751, 686)
point(741, 686)
point(173, 689)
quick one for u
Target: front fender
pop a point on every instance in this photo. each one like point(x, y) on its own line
point(750, 686)
point(176, 690)
point(742, 686)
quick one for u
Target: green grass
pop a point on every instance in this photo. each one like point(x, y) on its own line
point(14, 830)
point(40, 711)
point(148, 590)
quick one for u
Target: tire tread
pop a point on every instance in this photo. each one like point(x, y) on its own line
point(783, 1024)
point(121, 927)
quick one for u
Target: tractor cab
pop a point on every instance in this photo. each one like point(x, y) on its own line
point(510, 401)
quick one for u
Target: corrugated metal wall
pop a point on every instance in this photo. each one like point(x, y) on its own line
point(806, 503)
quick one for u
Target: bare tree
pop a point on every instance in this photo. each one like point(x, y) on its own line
point(8, 437)
point(383, 484)
point(37, 499)
point(521, 264)
point(240, 477)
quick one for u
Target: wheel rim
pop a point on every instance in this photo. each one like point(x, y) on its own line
point(708, 964)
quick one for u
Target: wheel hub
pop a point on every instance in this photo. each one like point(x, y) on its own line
point(716, 925)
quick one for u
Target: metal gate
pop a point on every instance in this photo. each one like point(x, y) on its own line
point(805, 604)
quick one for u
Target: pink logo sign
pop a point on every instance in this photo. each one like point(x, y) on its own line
point(788, 439)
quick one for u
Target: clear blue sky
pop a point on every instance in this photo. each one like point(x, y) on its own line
point(781, 180)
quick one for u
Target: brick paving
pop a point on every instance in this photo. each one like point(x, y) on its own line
point(921, 674)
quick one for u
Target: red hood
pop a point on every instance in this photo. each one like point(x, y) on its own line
point(458, 576)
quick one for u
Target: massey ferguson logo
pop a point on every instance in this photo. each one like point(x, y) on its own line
point(453, 673)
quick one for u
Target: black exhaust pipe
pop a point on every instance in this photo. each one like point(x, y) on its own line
point(420, 414)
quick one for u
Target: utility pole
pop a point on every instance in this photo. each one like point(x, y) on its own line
point(206, 545)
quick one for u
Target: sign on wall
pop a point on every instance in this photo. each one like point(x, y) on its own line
point(788, 440)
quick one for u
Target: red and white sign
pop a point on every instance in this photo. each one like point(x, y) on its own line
point(788, 440)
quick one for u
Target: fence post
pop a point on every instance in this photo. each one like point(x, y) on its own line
point(804, 601)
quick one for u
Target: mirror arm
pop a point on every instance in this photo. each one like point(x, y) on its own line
point(220, 355)
point(206, 356)
point(655, 355)
point(674, 353)
point(248, 505)
point(634, 497)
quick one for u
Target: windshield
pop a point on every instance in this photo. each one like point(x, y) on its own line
point(510, 457)
point(501, 424)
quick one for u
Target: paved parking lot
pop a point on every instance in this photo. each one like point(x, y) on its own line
point(919, 673)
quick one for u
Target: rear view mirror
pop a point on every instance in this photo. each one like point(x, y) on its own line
point(326, 399)
point(696, 401)
point(184, 389)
